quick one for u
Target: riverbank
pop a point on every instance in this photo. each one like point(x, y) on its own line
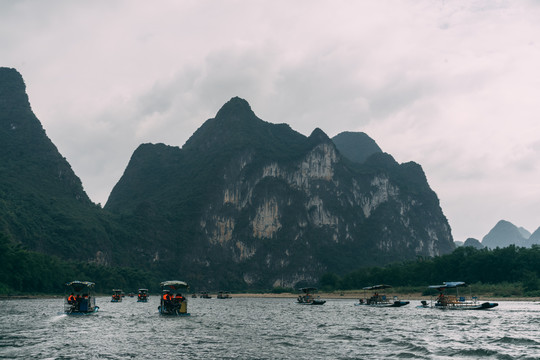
point(360, 294)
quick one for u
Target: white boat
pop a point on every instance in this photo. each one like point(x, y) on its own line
point(457, 301)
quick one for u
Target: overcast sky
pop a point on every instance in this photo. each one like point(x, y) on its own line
point(451, 85)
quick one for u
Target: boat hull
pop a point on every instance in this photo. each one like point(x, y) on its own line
point(397, 303)
point(95, 310)
point(314, 302)
point(482, 306)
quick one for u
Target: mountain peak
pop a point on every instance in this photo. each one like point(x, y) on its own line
point(237, 108)
point(318, 136)
point(12, 88)
point(356, 146)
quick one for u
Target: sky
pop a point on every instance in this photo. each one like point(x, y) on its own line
point(451, 85)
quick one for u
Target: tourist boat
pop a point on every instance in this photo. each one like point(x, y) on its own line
point(224, 295)
point(143, 295)
point(308, 298)
point(380, 300)
point(80, 299)
point(205, 295)
point(457, 302)
point(172, 300)
point(117, 295)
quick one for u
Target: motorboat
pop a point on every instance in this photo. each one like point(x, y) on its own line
point(142, 296)
point(308, 298)
point(172, 301)
point(117, 295)
point(79, 299)
point(380, 300)
point(458, 301)
point(224, 295)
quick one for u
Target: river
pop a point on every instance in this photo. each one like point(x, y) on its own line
point(267, 328)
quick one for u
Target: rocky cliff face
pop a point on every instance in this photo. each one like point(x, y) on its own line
point(274, 207)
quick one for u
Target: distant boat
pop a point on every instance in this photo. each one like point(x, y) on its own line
point(224, 295)
point(205, 295)
point(457, 302)
point(117, 295)
point(380, 300)
point(80, 300)
point(308, 298)
point(142, 296)
point(172, 301)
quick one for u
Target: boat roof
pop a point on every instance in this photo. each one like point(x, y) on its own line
point(308, 289)
point(143, 289)
point(377, 287)
point(117, 290)
point(448, 285)
point(174, 284)
point(80, 285)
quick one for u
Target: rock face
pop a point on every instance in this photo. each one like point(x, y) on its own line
point(264, 205)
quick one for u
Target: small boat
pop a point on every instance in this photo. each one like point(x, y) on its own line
point(380, 300)
point(205, 295)
point(117, 295)
point(224, 295)
point(143, 295)
point(80, 300)
point(308, 298)
point(172, 300)
point(458, 302)
point(193, 296)
point(131, 294)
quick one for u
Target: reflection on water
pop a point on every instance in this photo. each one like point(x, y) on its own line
point(248, 328)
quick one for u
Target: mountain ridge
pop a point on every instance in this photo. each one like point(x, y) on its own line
point(244, 203)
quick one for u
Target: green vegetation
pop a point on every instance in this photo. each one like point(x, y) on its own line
point(28, 272)
point(509, 271)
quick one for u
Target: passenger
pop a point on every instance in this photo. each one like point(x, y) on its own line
point(71, 299)
point(179, 298)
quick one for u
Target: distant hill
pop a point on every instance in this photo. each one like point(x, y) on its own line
point(475, 243)
point(356, 146)
point(534, 239)
point(504, 234)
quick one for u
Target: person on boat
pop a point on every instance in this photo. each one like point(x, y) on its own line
point(167, 299)
point(71, 299)
point(178, 298)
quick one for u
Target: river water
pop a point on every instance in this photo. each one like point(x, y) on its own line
point(267, 328)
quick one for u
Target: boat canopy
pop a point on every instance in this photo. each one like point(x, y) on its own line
point(80, 285)
point(377, 287)
point(308, 289)
point(449, 285)
point(143, 290)
point(174, 285)
point(117, 290)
